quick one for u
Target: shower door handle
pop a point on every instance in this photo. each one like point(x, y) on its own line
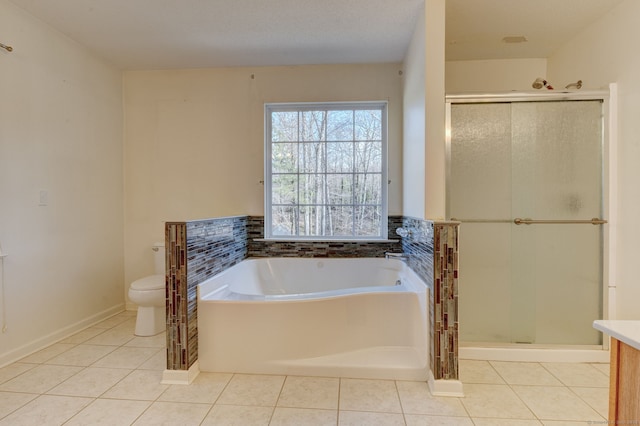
point(528, 221)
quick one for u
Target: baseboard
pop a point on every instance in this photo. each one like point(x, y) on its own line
point(54, 337)
point(180, 377)
point(445, 387)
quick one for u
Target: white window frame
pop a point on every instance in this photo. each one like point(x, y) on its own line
point(313, 106)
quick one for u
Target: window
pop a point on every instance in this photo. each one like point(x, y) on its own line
point(326, 171)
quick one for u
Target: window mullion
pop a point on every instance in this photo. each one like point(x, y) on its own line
point(353, 173)
point(296, 216)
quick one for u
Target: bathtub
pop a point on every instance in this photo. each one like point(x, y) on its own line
point(356, 317)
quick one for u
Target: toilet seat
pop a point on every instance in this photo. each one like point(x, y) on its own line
point(152, 282)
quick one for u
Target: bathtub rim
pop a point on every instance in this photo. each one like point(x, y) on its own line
point(414, 284)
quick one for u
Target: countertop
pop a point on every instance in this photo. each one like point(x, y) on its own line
point(626, 331)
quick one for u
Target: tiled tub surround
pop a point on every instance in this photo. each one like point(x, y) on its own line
point(433, 254)
point(196, 251)
point(200, 249)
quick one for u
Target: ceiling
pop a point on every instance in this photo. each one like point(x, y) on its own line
point(475, 28)
point(169, 34)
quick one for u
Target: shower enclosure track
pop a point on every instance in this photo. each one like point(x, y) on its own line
point(527, 221)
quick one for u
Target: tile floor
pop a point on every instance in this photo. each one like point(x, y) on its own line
point(106, 375)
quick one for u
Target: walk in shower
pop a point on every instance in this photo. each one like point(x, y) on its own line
point(525, 178)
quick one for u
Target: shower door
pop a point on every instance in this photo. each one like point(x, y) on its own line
point(525, 179)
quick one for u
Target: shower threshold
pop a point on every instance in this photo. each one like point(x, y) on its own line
point(527, 352)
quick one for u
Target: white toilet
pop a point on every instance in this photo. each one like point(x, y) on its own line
point(149, 294)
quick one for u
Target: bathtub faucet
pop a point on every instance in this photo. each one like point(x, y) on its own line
point(400, 256)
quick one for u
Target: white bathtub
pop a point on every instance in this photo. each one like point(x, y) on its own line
point(356, 317)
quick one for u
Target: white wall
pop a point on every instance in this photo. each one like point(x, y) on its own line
point(194, 140)
point(414, 99)
point(424, 117)
point(61, 132)
point(607, 52)
point(494, 75)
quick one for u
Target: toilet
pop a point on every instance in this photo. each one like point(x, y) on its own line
point(149, 294)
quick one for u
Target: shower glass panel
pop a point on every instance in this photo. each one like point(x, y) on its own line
point(538, 283)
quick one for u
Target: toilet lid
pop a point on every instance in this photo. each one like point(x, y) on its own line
point(153, 282)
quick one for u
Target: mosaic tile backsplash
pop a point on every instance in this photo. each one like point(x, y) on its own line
point(200, 249)
point(260, 248)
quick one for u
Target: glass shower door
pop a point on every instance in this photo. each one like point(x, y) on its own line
point(540, 162)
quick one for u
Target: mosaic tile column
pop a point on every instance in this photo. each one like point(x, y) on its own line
point(445, 300)
point(176, 296)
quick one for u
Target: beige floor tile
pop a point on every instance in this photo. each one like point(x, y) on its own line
point(424, 420)
point(11, 401)
point(40, 378)
point(250, 389)
point(140, 384)
point(111, 337)
point(116, 320)
point(505, 422)
point(603, 368)
point(416, 399)
point(472, 371)
point(157, 341)
point(233, 415)
point(109, 412)
point(128, 325)
point(283, 416)
point(205, 389)
point(364, 418)
point(125, 357)
point(47, 353)
point(82, 355)
point(62, 381)
point(494, 401)
point(83, 336)
point(46, 410)
point(14, 370)
point(90, 382)
point(173, 413)
point(156, 362)
point(556, 403)
point(310, 392)
point(597, 398)
point(525, 373)
point(566, 423)
point(574, 374)
point(369, 395)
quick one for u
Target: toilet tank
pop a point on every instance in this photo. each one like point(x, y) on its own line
point(159, 258)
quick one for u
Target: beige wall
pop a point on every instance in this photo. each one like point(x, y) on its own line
point(194, 140)
point(495, 75)
point(424, 116)
point(435, 111)
point(606, 52)
point(60, 132)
